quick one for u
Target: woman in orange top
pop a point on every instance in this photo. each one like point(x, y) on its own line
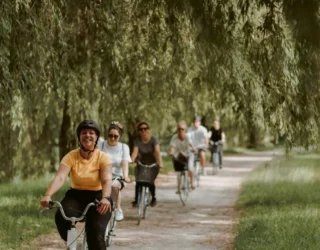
point(91, 179)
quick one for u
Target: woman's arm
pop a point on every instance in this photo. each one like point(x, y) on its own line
point(56, 184)
point(172, 149)
point(223, 137)
point(158, 155)
point(106, 182)
point(135, 152)
point(125, 170)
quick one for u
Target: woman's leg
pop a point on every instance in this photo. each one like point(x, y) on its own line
point(72, 208)
point(191, 170)
point(96, 225)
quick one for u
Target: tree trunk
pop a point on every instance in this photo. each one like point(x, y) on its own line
point(66, 135)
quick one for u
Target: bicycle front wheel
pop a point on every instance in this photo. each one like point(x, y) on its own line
point(215, 163)
point(141, 203)
point(147, 201)
point(183, 187)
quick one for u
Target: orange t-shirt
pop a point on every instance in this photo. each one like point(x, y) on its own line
point(85, 174)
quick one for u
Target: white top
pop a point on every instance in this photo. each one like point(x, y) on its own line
point(180, 146)
point(198, 136)
point(117, 153)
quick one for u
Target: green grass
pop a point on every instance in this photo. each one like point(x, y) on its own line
point(20, 208)
point(280, 205)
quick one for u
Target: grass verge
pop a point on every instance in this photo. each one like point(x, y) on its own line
point(20, 208)
point(280, 205)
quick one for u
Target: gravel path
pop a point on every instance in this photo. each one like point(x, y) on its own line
point(206, 222)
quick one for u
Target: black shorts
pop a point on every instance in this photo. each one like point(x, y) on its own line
point(122, 183)
point(201, 150)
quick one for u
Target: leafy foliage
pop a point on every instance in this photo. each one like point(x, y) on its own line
point(251, 63)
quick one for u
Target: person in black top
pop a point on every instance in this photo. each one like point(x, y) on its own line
point(217, 136)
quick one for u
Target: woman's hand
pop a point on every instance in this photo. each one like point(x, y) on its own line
point(160, 166)
point(104, 206)
point(45, 201)
point(126, 179)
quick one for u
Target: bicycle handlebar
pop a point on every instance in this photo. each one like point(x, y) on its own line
point(72, 219)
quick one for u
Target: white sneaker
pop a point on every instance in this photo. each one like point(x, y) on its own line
point(118, 214)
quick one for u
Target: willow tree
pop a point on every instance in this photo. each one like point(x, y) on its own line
point(252, 63)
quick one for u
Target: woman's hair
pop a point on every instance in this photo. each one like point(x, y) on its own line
point(183, 123)
point(140, 123)
point(117, 126)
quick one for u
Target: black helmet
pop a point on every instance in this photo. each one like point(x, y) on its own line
point(88, 124)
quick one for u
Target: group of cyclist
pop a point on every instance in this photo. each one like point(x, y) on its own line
point(93, 166)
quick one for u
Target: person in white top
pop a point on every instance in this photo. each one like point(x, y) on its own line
point(120, 157)
point(180, 146)
point(199, 139)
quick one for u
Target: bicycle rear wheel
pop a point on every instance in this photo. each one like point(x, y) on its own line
point(183, 187)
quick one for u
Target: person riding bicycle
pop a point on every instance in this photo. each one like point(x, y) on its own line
point(180, 145)
point(217, 138)
point(120, 157)
point(147, 150)
point(91, 179)
point(199, 139)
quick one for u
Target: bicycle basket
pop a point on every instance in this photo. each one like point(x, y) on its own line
point(179, 166)
point(146, 174)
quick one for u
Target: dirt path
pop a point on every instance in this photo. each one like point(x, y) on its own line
point(206, 222)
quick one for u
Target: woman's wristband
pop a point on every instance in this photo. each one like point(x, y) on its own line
point(107, 197)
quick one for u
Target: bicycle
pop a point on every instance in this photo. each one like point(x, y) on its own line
point(215, 150)
point(111, 227)
point(72, 235)
point(145, 175)
point(182, 181)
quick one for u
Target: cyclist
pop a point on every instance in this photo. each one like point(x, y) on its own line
point(218, 137)
point(180, 145)
point(120, 157)
point(91, 179)
point(147, 150)
point(199, 139)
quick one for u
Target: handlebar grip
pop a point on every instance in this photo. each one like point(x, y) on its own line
point(51, 204)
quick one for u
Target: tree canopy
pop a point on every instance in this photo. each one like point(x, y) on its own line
point(252, 63)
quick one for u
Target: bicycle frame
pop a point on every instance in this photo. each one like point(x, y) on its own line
point(144, 196)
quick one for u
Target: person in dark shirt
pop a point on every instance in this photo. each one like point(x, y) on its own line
point(147, 150)
point(217, 136)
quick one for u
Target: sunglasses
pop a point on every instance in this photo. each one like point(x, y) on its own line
point(181, 129)
point(143, 129)
point(113, 136)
